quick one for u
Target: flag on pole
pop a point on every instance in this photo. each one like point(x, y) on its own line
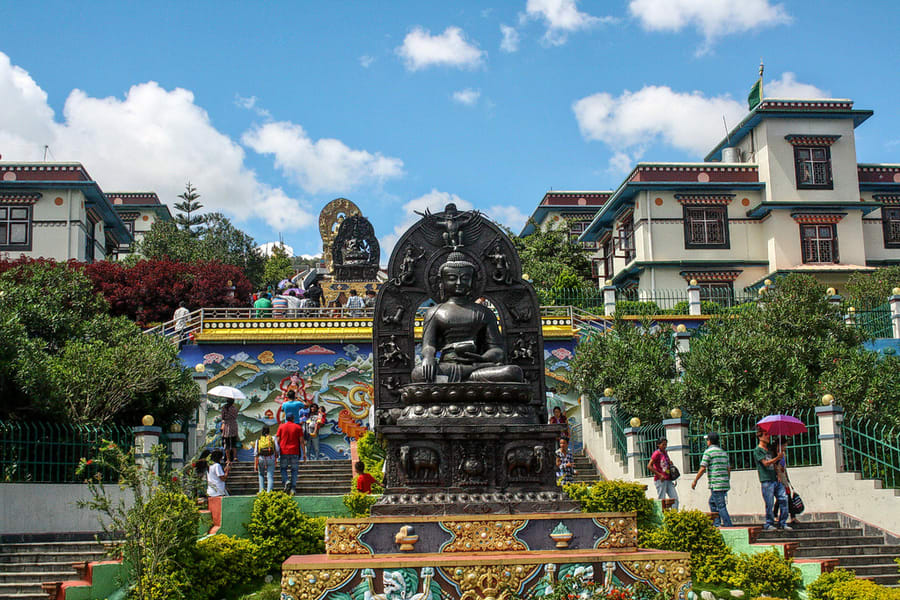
point(755, 96)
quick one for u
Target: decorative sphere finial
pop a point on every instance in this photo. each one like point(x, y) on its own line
point(693, 282)
point(831, 292)
point(827, 399)
point(608, 283)
point(676, 413)
point(851, 310)
point(608, 392)
point(147, 421)
point(175, 428)
point(635, 422)
point(200, 367)
point(896, 291)
point(767, 282)
point(681, 328)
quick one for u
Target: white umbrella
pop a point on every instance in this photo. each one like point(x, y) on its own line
point(226, 391)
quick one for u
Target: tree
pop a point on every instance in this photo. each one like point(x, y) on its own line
point(872, 288)
point(636, 362)
point(278, 265)
point(218, 240)
point(186, 219)
point(74, 362)
point(551, 259)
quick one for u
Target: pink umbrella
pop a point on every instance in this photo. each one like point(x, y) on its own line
point(781, 425)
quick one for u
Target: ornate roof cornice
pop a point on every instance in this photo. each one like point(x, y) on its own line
point(720, 199)
point(22, 198)
point(796, 139)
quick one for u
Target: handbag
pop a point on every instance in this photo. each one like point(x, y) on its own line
point(797, 503)
point(674, 473)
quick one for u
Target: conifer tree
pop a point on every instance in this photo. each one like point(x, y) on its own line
point(186, 218)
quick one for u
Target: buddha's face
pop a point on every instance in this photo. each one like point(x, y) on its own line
point(457, 281)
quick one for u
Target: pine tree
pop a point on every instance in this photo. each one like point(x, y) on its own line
point(278, 265)
point(186, 219)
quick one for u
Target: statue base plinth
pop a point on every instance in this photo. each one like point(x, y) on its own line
point(471, 558)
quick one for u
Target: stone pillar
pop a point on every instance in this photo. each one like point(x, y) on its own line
point(895, 311)
point(144, 439)
point(678, 447)
point(607, 403)
point(632, 452)
point(850, 317)
point(176, 450)
point(682, 345)
point(198, 440)
point(609, 298)
point(830, 417)
point(694, 298)
point(833, 298)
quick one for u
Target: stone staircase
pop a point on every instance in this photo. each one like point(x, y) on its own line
point(314, 478)
point(849, 548)
point(585, 471)
point(28, 561)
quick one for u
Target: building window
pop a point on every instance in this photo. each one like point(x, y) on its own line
point(705, 227)
point(15, 227)
point(819, 243)
point(90, 239)
point(626, 239)
point(890, 220)
point(607, 260)
point(718, 292)
point(813, 165)
point(129, 227)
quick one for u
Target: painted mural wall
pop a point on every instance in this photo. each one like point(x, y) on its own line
point(338, 378)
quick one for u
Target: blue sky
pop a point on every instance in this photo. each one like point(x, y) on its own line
point(273, 109)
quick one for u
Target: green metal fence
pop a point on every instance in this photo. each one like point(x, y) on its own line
point(647, 438)
point(619, 423)
point(596, 413)
point(874, 319)
point(872, 450)
point(589, 298)
point(50, 452)
point(737, 436)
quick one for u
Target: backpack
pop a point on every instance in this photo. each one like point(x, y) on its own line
point(797, 504)
point(266, 446)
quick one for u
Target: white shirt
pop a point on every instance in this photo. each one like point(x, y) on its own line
point(181, 315)
point(215, 485)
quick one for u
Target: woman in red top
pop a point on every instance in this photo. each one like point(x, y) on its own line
point(364, 481)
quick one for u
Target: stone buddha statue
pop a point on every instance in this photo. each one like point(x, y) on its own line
point(465, 333)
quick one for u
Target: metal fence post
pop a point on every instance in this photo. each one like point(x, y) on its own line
point(830, 417)
point(694, 298)
point(894, 300)
point(609, 298)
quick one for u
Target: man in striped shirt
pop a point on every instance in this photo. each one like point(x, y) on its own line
point(715, 460)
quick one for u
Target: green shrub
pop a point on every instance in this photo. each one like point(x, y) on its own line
point(769, 573)
point(224, 563)
point(615, 496)
point(372, 453)
point(863, 589)
point(279, 529)
point(820, 589)
point(634, 307)
point(719, 569)
point(358, 503)
point(690, 531)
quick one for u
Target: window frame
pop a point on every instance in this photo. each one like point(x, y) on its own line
point(28, 221)
point(608, 260)
point(706, 286)
point(829, 183)
point(819, 243)
point(890, 241)
point(625, 239)
point(722, 218)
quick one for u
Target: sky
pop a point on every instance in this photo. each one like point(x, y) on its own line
point(272, 109)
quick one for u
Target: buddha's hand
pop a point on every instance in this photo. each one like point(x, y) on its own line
point(429, 369)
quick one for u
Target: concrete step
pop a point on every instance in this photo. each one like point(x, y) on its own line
point(51, 547)
point(43, 567)
point(749, 520)
point(23, 596)
point(30, 577)
point(851, 562)
point(36, 557)
point(840, 551)
point(870, 570)
point(809, 532)
point(828, 542)
point(11, 589)
point(885, 580)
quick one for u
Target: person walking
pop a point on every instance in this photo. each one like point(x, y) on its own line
point(354, 302)
point(364, 481)
point(313, 423)
point(265, 453)
point(262, 305)
point(181, 316)
point(660, 465)
point(772, 489)
point(230, 436)
point(559, 418)
point(565, 463)
point(296, 408)
point(715, 463)
point(290, 436)
point(782, 475)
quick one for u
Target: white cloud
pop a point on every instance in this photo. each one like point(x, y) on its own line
point(251, 103)
point(510, 41)
point(621, 162)
point(561, 17)
point(467, 96)
point(366, 61)
point(636, 120)
point(421, 50)
point(152, 139)
point(509, 216)
point(266, 248)
point(713, 18)
point(320, 165)
point(789, 87)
